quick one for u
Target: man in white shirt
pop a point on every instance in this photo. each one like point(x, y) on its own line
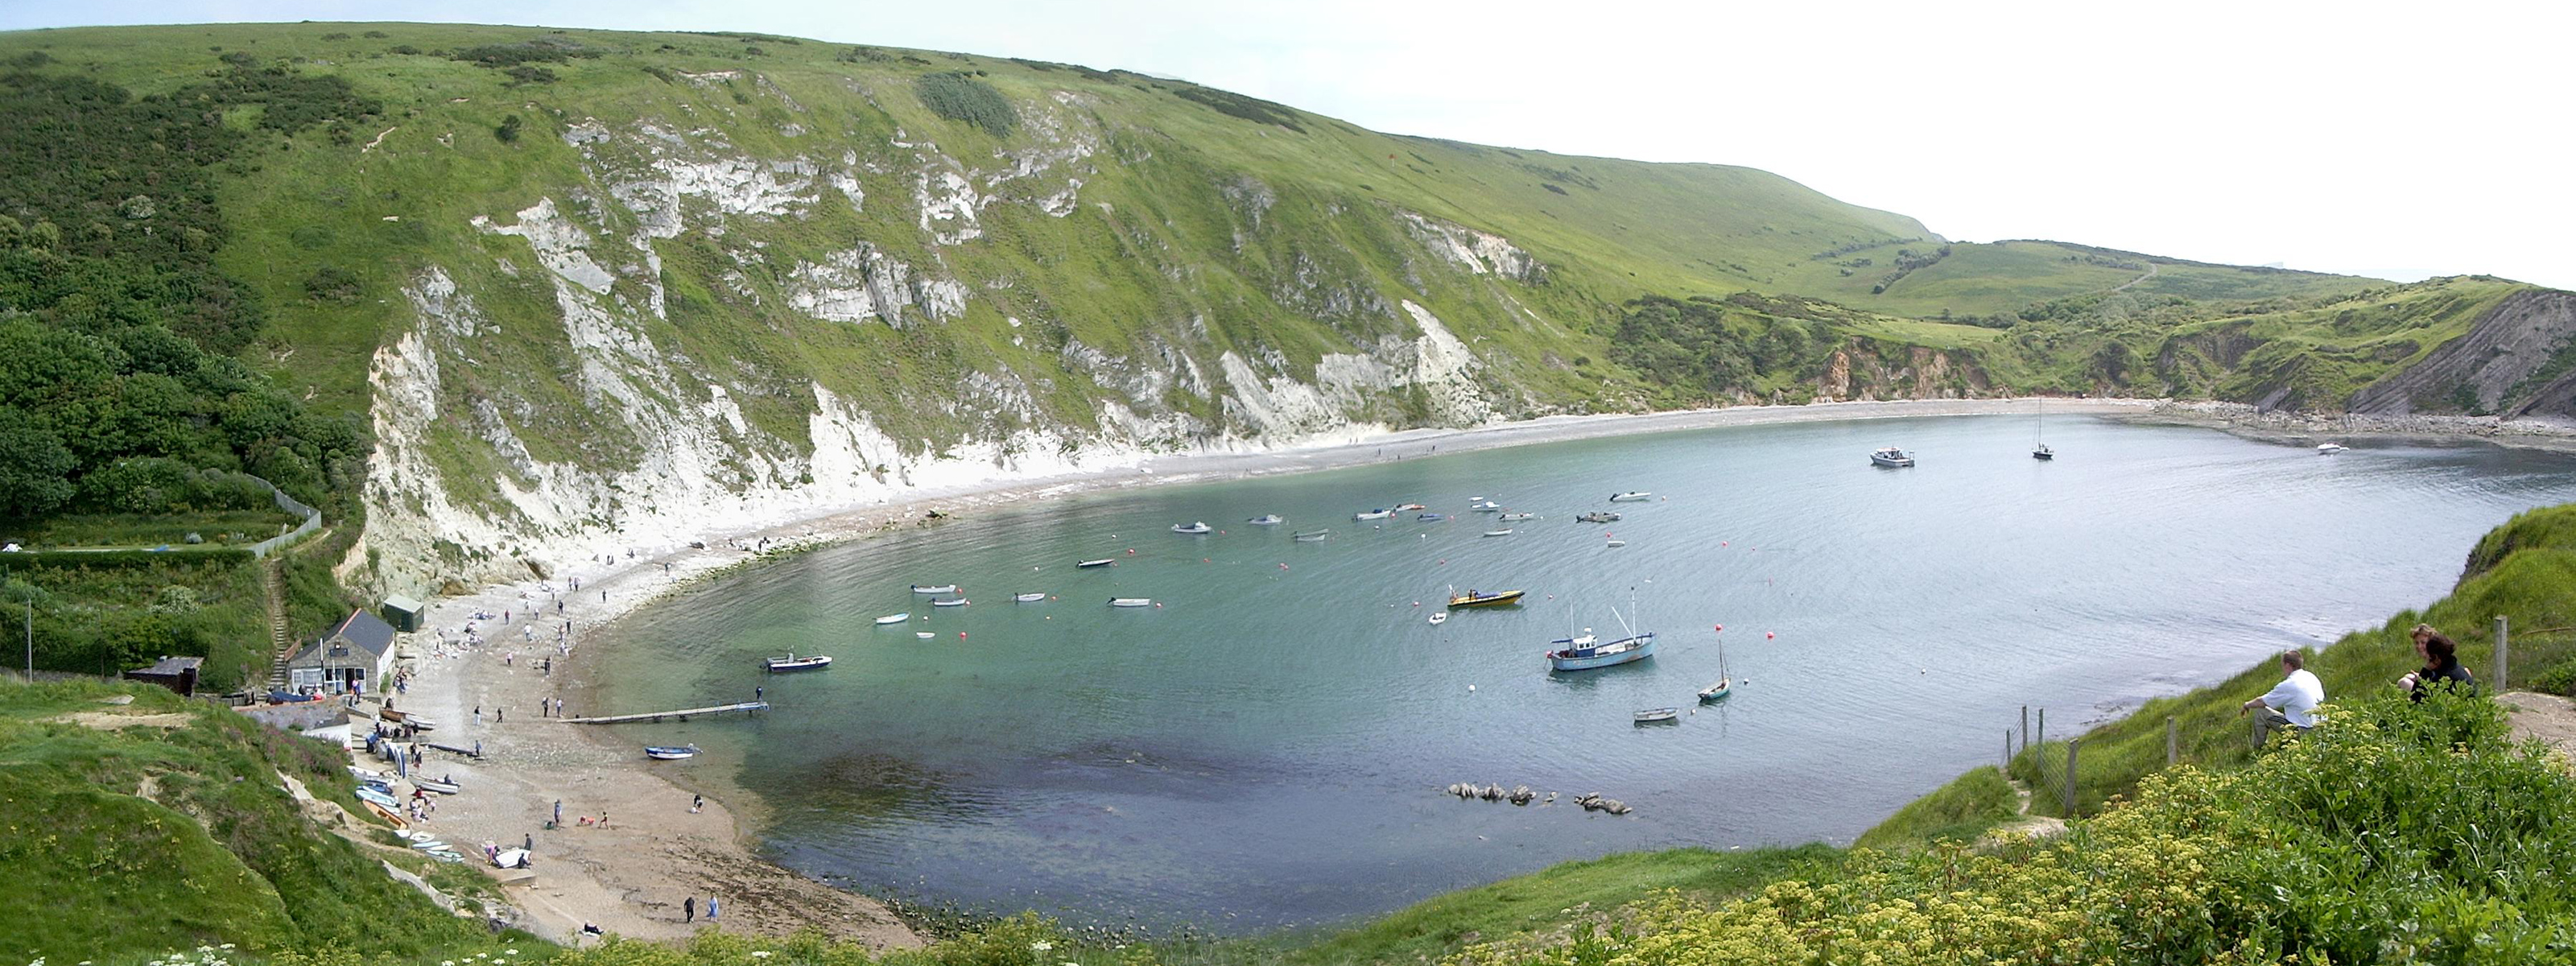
point(2291, 704)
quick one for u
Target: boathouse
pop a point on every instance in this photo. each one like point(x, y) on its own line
point(176, 673)
point(352, 657)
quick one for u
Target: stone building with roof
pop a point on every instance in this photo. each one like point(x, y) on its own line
point(354, 656)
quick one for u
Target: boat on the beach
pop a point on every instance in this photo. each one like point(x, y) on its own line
point(1659, 716)
point(1439, 617)
point(1890, 456)
point(950, 602)
point(1102, 562)
point(1478, 598)
point(1586, 651)
point(2329, 449)
point(1516, 517)
point(895, 618)
point(934, 588)
point(1431, 517)
point(374, 797)
point(1599, 516)
point(1267, 520)
point(510, 859)
point(1029, 598)
point(1131, 602)
point(435, 785)
point(1380, 513)
point(1311, 536)
point(791, 662)
point(1631, 496)
point(1197, 527)
point(1505, 532)
point(1484, 506)
point(670, 752)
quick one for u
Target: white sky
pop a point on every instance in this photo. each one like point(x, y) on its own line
point(2401, 141)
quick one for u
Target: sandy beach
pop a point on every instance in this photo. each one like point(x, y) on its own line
point(631, 875)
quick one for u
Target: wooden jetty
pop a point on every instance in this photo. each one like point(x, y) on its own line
point(682, 714)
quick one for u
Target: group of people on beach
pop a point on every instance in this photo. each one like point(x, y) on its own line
point(2292, 703)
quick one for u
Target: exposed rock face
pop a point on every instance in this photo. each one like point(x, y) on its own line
point(2491, 365)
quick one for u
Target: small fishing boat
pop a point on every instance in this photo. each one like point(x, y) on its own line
point(434, 785)
point(1439, 617)
point(1505, 532)
point(1432, 517)
point(1599, 516)
point(670, 752)
point(1131, 602)
point(1029, 598)
point(934, 588)
point(1378, 514)
point(1586, 651)
point(1614, 542)
point(1193, 528)
point(1266, 520)
point(950, 602)
point(1516, 517)
point(1409, 507)
point(895, 618)
point(791, 662)
point(924, 635)
point(1311, 537)
point(1890, 456)
point(1484, 506)
point(2329, 449)
point(1659, 716)
point(1102, 562)
point(1631, 496)
point(1477, 598)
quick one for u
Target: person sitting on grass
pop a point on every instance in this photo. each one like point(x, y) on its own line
point(2291, 704)
point(2441, 666)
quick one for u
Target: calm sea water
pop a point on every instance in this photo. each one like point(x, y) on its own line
point(1268, 746)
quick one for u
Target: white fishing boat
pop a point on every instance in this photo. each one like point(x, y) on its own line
point(1029, 598)
point(1131, 602)
point(1193, 528)
point(791, 662)
point(1516, 517)
point(1659, 716)
point(670, 752)
point(2329, 449)
point(1505, 532)
point(1377, 514)
point(1311, 537)
point(1267, 520)
point(1439, 617)
point(895, 618)
point(934, 588)
point(1484, 506)
point(1632, 496)
point(1102, 562)
point(924, 635)
point(1586, 651)
point(950, 602)
point(1890, 456)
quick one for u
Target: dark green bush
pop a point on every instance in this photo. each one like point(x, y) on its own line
point(958, 97)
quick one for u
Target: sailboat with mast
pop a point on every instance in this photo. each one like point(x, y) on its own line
point(1725, 682)
point(2039, 450)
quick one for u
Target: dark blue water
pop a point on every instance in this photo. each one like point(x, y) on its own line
point(1268, 747)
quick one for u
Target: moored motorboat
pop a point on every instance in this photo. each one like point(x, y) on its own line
point(1505, 532)
point(1890, 456)
point(1193, 528)
point(1102, 562)
point(1586, 651)
point(1484, 506)
point(1380, 513)
point(791, 662)
point(1599, 516)
point(1409, 507)
point(1312, 536)
point(2329, 449)
point(950, 602)
point(670, 752)
point(934, 588)
point(924, 635)
point(1431, 517)
point(1629, 497)
point(1267, 520)
point(1478, 598)
point(1516, 517)
point(1131, 602)
point(1029, 598)
point(1439, 617)
point(895, 618)
point(1659, 716)
point(1614, 542)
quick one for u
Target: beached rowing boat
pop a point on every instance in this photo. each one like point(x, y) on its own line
point(670, 752)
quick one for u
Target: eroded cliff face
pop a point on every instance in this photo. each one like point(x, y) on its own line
point(691, 339)
point(2519, 359)
point(1864, 370)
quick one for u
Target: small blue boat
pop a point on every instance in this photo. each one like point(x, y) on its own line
point(1432, 517)
point(1587, 651)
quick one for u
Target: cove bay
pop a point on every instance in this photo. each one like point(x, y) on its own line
point(1268, 744)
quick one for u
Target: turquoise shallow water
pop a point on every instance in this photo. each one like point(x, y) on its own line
point(1268, 747)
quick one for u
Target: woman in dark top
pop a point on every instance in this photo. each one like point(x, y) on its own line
point(2441, 666)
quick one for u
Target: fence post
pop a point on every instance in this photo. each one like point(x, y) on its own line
point(2043, 726)
point(2007, 753)
point(2173, 748)
point(2025, 726)
point(2500, 654)
point(2071, 743)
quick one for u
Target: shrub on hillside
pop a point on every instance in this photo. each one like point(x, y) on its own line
point(958, 96)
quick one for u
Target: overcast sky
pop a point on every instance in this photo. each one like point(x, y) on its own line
point(2401, 141)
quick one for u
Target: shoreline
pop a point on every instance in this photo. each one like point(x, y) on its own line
point(631, 876)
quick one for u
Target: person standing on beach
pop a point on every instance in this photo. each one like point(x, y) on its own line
point(689, 909)
point(558, 813)
point(696, 802)
point(711, 908)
